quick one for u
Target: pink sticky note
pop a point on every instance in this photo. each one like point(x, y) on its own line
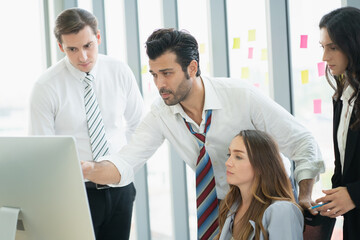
point(303, 41)
point(321, 68)
point(317, 105)
point(257, 85)
point(250, 54)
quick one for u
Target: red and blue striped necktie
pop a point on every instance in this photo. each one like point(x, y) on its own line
point(206, 198)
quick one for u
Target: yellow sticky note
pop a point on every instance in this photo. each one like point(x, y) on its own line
point(252, 35)
point(236, 44)
point(202, 48)
point(267, 78)
point(305, 76)
point(245, 72)
point(264, 56)
point(144, 69)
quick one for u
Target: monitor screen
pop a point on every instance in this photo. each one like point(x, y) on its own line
point(42, 177)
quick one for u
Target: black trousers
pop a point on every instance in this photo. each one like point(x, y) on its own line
point(351, 228)
point(111, 211)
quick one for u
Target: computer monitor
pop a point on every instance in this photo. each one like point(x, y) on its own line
point(42, 177)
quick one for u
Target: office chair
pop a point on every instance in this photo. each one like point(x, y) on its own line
point(317, 227)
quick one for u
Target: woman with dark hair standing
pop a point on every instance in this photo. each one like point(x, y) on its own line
point(340, 38)
point(260, 203)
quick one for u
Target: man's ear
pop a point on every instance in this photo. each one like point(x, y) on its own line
point(98, 37)
point(61, 47)
point(193, 68)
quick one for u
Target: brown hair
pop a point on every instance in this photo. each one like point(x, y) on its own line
point(73, 20)
point(270, 183)
point(343, 27)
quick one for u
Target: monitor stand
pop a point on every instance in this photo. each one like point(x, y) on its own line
point(8, 222)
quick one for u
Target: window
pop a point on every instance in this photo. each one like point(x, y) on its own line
point(22, 61)
point(115, 29)
point(197, 26)
point(158, 165)
point(200, 30)
point(85, 4)
point(248, 42)
point(311, 92)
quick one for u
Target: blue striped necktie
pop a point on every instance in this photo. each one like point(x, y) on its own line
point(206, 197)
point(98, 142)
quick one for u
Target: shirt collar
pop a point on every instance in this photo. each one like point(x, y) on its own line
point(79, 75)
point(347, 93)
point(211, 99)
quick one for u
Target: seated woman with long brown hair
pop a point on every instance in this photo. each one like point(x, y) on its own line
point(260, 203)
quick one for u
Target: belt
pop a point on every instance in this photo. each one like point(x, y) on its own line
point(92, 185)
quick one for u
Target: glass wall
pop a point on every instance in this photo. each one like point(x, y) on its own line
point(158, 166)
point(196, 23)
point(311, 92)
point(85, 4)
point(115, 29)
point(193, 17)
point(22, 61)
point(247, 41)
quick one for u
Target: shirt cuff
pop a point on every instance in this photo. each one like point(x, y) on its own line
point(310, 170)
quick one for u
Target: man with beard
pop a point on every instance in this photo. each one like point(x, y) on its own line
point(199, 116)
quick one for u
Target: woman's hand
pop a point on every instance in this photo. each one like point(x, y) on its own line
point(339, 200)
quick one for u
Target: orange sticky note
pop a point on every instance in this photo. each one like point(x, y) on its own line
point(252, 35)
point(245, 72)
point(317, 106)
point(236, 44)
point(305, 76)
point(250, 53)
point(303, 41)
point(321, 68)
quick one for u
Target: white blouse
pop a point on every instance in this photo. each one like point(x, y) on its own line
point(344, 122)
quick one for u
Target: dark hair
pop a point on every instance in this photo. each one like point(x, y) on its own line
point(73, 20)
point(270, 183)
point(183, 44)
point(343, 27)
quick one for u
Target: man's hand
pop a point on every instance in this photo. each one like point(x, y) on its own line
point(339, 202)
point(305, 190)
point(103, 172)
point(87, 168)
